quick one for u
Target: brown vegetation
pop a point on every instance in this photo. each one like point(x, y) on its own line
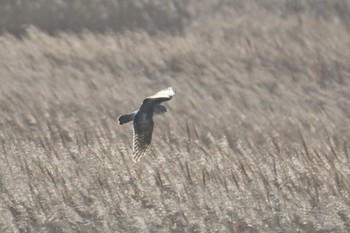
point(256, 139)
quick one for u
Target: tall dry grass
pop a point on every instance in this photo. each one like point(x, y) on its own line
point(256, 139)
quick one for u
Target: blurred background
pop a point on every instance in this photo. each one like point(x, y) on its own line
point(261, 115)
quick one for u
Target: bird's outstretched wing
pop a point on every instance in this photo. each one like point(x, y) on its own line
point(143, 129)
point(163, 95)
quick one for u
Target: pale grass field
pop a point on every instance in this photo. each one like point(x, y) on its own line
point(256, 139)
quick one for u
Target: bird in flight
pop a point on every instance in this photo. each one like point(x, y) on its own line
point(143, 120)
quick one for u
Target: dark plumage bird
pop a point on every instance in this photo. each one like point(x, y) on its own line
point(143, 120)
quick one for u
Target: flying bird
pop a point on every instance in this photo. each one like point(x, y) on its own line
point(143, 120)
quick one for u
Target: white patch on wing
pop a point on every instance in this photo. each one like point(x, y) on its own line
point(165, 93)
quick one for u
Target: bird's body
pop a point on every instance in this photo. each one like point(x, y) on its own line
point(158, 109)
point(143, 120)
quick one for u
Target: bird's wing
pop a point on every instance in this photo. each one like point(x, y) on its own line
point(143, 129)
point(163, 95)
point(159, 109)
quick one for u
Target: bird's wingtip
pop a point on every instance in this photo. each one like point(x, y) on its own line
point(171, 89)
point(165, 93)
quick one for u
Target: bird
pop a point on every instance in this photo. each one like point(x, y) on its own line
point(143, 120)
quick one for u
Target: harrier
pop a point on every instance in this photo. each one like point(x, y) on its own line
point(143, 120)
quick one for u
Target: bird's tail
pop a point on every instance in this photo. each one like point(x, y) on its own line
point(126, 118)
